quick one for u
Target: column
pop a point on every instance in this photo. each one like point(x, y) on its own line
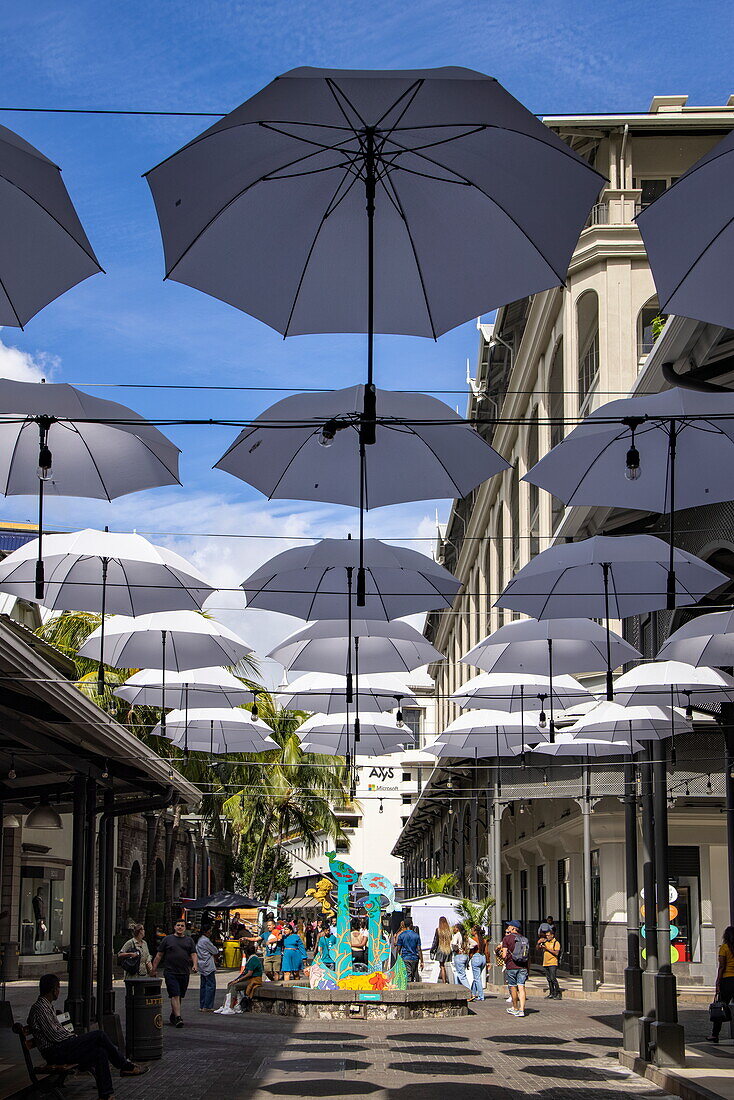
point(727, 722)
point(588, 971)
point(651, 932)
point(496, 973)
point(633, 972)
point(73, 1003)
point(89, 898)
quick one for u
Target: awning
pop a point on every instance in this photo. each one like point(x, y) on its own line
point(223, 899)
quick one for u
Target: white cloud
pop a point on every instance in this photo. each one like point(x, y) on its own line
point(24, 367)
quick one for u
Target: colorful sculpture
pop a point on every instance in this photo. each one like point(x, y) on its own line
point(323, 893)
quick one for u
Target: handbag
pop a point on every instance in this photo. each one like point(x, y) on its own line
point(719, 1012)
point(131, 965)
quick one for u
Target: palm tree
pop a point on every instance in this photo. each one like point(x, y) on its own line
point(446, 883)
point(475, 914)
point(286, 791)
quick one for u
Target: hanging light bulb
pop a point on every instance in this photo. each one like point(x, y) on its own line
point(45, 463)
point(399, 719)
point(689, 708)
point(709, 788)
point(542, 719)
point(254, 712)
point(329, 430)
point(106, 770)
point(632, 471)
point(545, 778)
point(12, 774)
point(381, 810)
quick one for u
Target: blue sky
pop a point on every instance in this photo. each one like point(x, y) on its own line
point(130, 326)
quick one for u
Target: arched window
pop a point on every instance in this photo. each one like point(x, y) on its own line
point(136, 877)
point(515, 515)
point(533, 453)
point(649, 325)
point(587, 320)
point(500, 544)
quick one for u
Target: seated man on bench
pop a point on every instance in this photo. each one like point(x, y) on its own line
point(250, 977)
point(93, 1051)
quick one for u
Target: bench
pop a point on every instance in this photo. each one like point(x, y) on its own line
point(41, 1074)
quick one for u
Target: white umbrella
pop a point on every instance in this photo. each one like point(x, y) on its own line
point(45, 250)
point(612, 722)
point(539, 648)
point(316, 582)
point(518, 691)
point(673, 683)
point(217, 730)
point(337, 735)
point(196, 687)
point(57, 439)
point(372, 647)
point(690, 242)
point(705, 640)
point(327, 693)
point(654, 453)
point(613, 577)
point(581, 746)
point(102, 571)
point(479, 733)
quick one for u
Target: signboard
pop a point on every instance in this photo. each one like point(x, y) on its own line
point(369, 997)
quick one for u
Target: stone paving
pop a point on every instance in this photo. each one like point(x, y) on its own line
point(563, 1051)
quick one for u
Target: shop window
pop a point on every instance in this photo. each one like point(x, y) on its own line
point(412, 719)
point(587, 315)
point(684, 869)
point(564, 898)
point(41, 929)
point(509, 913)
point(524, 897)
point(541, 891)
point(649, 324)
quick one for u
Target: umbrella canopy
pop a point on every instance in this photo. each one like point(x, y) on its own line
point(482, 733)
point(705, 640)
point(399, 201)
point(613, 577)
point(673, 683)
point(223, 899)
point(566, 645)
point(612, 722)
point(326, 693)
point(45, 250)
point(100, 571)
point(174, 640)
point(335, 735)
point(307, 447)
point(518, 692)
point(216, 729)
point(689, 239)
point(581, 746)
point(317, 582)
point(196, 687)
point(372, 647)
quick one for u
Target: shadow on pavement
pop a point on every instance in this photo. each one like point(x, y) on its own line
point(322, 1087)
point(536, 1052)
point(328, 1036)
point(427, 1037)
point(447, 1069)
point(600, 1040)
point(416, 1050)
point(537, 1040)
point(574, 1073)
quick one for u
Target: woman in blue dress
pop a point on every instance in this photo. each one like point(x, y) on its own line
point(325, 943)
point(294, 956)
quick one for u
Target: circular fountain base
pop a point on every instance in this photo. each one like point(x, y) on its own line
point(418, 1001)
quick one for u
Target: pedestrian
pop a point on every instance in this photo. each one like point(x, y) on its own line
point(206, 956)
point(248, 980)
point(272, 941)
point(178, 955)
point(294, 956)
point(358, 942)
point(137, 952)
point(93, 1051)
point(724, 988)
point(459, 954)
point(410, 949)
point(548, 925)
point(441, 948)
point(324, 945)
point(477, 962)
point(551, 953)
point(516, 953)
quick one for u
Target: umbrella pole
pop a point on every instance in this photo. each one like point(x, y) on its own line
point(672, 447)
point(356, 716)
point(44, 474)
point(522, 724)
point(610, 682)
point(368, 423)
point(100, 668)
point(361, 580)
point(163, 682)
point(551, 722)
point(186, 724)
point(350, 685)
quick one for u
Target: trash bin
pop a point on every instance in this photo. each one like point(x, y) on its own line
point(232, 955)
point(143, 1019)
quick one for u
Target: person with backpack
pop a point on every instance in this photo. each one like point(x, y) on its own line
point(516, 953)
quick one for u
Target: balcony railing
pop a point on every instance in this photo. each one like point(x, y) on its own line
point(617, 208)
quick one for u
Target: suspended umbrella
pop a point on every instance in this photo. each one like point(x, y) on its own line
point(609, 577)
point(326, 693)
point(516, 692)
point(590, 749)
point(689, 239)
point(705, 640)
point(195, 687)
point(372, 647)
point(656, 453)
point(612, 722)
point(554, 645)
point(45, 250)
point(400, 201)
point(216, 730)
point(169, 640)
point(336, 735)
point(478, 735)
point(55, 438)
point(311, 447)
point(104, 572)
point(316, 582)
point(673, 683)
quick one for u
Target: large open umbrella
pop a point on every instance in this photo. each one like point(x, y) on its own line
point(55, 438)
point(104, 572)
point(482, 733)
point(216, 730)
point(327, 693)
point(657, 453)
point(673, 683)
point(336, 735)
point(705, 640)
point(609, 577)
point(569, 745)
point(517, 692)
point(612, 722)
point(195, 687)
point(324, 646)
point(316, 582)
point(45, 250)
point(689, 239)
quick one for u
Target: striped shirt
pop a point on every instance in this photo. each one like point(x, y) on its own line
point(46, 1029)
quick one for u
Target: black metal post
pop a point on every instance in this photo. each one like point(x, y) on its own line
point(551, 720)
point(588, 971)
point(75, 995)
point(44, 464)
point(649, 987)
point(727, 722)
point(666, 1034)
point(89, 880)
point(100, 668)
point(633, 971)
point(609, 679)
point(672, 442)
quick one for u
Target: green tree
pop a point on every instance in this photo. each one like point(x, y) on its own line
point(475, 914)
point(447, 883)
